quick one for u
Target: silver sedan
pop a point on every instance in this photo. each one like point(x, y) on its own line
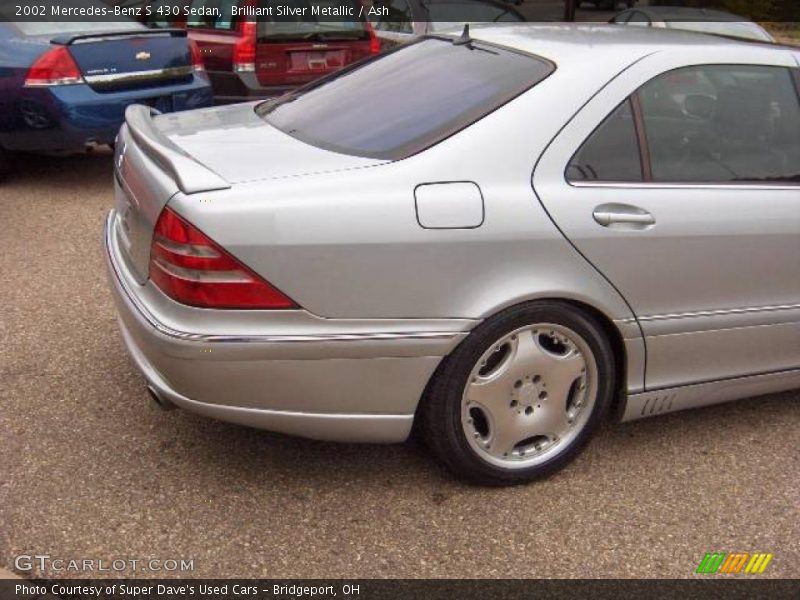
point(495, 238)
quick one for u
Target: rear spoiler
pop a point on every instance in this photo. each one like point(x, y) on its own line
point(191, 176)
point(68, 39)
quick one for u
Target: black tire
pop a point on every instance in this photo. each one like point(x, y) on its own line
point(440, 410)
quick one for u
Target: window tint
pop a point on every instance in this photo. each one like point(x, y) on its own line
point(208, 21)
point(398, 17)
point(723, 123)
point(611, 153)
point(402, 102)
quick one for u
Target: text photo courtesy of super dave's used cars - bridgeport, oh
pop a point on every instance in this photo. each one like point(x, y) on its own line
point(500, 232)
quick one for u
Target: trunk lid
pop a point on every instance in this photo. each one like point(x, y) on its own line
point(240, 146)
point(159, 156)
point(114, 61)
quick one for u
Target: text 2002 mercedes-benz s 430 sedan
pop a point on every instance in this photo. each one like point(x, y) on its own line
point(497, 238)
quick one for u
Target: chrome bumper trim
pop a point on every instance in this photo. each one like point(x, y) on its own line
point(139, 76)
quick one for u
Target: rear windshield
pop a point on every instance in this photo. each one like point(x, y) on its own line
point(405, 101)
point(319, 24)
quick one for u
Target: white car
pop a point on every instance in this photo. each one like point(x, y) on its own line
point(701, 20)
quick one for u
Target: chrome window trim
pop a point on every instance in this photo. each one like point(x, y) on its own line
point(140, 75)
point(650, 185)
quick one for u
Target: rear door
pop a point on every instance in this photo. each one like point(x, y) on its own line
point(680, 182)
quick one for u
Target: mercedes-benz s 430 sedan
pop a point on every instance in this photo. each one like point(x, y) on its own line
point(497, 238)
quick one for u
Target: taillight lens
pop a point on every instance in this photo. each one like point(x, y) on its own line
point(244, 52)
point(374, 42)
point(197, 57)
point(191, 268)
point(54, 67)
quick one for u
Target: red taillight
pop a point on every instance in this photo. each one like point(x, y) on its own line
point(244, 52)
point(190, 268)
point(54, 67)
point(197, 57)
point(374, 42)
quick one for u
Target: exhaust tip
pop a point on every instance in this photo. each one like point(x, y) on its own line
point(162, 403)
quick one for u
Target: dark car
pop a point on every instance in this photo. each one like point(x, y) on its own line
point(65, 86)
point(248, 58)
point(609, 4)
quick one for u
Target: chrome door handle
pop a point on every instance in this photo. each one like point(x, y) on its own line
point(623, 214)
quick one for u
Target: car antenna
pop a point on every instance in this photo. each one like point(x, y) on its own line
point(464, 39)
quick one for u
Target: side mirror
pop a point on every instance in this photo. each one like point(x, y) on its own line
point(700, 106)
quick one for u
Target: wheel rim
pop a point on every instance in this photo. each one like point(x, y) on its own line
point(529, 395)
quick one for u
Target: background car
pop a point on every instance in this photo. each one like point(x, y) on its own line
point(693, 19)
point(248, 60)
point(65, 86)
point(608, 4)
point(406, 19)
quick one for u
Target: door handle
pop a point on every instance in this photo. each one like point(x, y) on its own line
point(612, 214)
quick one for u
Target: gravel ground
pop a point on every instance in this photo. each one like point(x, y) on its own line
point(90, 469)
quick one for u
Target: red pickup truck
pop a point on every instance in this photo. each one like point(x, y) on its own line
point(248, 58)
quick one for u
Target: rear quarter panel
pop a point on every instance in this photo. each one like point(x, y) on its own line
point(348, 244)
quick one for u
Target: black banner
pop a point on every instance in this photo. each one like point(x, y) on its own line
point(733, 588)
point(215, 12)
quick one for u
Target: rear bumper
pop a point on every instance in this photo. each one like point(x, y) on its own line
point(68, 118)
point(354, 386)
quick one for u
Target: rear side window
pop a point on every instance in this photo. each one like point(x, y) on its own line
point(709, 124)
point(723, 123)
point(407, 100)
point(611, 153)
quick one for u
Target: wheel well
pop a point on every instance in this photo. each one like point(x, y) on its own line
point(612, 334)
point(617, 347)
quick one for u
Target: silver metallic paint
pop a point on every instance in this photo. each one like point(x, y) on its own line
point(385, 299)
